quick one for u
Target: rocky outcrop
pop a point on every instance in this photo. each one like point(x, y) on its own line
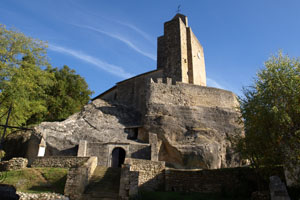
point(193, 123)
point(99, 121)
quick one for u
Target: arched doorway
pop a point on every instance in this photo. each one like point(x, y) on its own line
point(118, 157)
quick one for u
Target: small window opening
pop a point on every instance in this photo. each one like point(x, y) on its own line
point(132, 133)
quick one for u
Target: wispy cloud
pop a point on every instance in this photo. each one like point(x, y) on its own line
point(120, 38)
point(213, 83)
point(139, 31)
point(113, 69)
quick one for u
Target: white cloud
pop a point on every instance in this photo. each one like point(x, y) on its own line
point(139, 31)
point(213, 83)
point(122, 39)
point(110, 68)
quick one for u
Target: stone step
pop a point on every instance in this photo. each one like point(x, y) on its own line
point(104, 184)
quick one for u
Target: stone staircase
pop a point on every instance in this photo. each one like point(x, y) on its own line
point(104, 184)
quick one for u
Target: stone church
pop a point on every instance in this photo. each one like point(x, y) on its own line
point(167, 114)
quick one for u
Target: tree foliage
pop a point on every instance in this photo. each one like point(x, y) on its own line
point(67, 95)
point(36, 91)
point(271, 114)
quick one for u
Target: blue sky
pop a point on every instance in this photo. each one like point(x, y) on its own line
point(109, 41)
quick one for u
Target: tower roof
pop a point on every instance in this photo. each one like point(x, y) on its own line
point(182, 17)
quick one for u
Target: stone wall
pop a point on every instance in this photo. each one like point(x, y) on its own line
point(13, 164)
point(41, 196)
point(132, 92)
point(78, 178)
point(237, 181)
point(100, 150)
point(138, 174)
point(128, 183)
point(104, 150)
point(62, 162)
point(183, 94)
point(140, 151)
point(151, 176)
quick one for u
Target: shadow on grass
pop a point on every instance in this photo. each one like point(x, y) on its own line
point(57, 186)
point(185, 196)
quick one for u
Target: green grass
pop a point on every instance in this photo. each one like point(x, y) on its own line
point(36, 180)
point(185, 196)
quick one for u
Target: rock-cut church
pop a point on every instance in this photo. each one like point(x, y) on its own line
point(168, 114)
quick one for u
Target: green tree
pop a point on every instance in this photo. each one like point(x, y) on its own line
point(271, 114)
point(68, 94)
point(36, 91)
point(22, 81)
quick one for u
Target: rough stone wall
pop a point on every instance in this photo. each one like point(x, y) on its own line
point(132, 91)
point(233, 181)
point(190, 95)
point(196, 60)
point(180, 54)
point(13, 164)
point(140, 151)
point(78, 178)
point(41, 196)
point(172, 67)
point(100, 150)
point(193, 123)
point(161, 52)
point(128, 183)
point(151, 175)
point(62, 162)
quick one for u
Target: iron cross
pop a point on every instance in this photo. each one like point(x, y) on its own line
point(178, 9)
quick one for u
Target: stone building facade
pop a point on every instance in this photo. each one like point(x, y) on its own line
point(167, 114)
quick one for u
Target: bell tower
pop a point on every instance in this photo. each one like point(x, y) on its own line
point(180, 54)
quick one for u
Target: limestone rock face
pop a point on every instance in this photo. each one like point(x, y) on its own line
point(99, 121)
point(193, 123)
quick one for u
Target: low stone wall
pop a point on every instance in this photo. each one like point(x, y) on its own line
point(78, 178)
point(13, 164)
point(61, 162)
point(128, 183)
point(138, 174)
point(41, 196)
point(237, 181)
point(151, 176)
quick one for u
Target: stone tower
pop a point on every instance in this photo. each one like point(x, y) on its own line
point(180, 54)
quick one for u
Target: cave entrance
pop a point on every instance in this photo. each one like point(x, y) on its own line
point(118, 157)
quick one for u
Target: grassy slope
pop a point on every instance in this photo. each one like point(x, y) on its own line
point(35, 180)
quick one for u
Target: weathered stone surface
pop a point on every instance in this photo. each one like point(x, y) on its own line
point(278, 189)
point(16, 144)
point(61, 162)
point(78, 178)
point(193, 123)
point(41, 196)
point(99, 121)
point(13, 164)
